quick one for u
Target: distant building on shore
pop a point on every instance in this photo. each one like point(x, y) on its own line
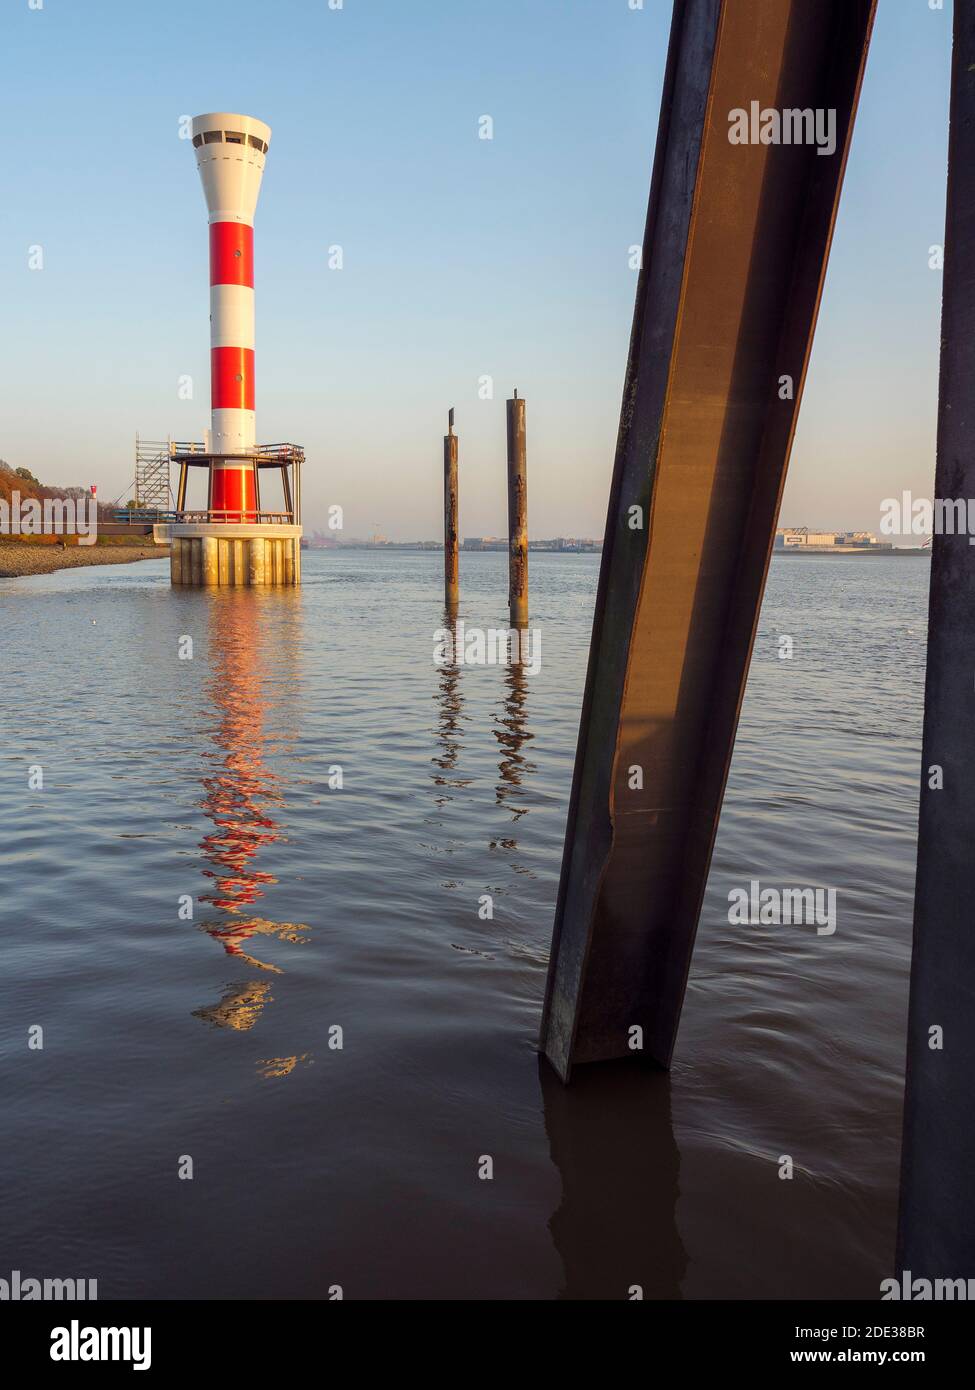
point(567, 544)
point(379, 542)
point(485, 543)
point(801, 538)
point(574, 544)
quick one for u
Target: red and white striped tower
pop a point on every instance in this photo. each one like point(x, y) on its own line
point(230, 152)
point(237, 540)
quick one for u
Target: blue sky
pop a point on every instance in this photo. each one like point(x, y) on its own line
point(462, 257)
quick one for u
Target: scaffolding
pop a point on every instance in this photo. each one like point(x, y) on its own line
point(152, 487)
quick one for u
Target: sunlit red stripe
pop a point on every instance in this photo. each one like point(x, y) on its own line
point(231, 254)
point(232, 378)
point(233, 491)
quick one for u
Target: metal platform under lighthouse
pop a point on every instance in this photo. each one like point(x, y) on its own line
point(233, 540)
point(234, 547)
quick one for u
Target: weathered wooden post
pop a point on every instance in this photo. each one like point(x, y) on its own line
point(451, 583)
point(517, 514)
point(936, 1238)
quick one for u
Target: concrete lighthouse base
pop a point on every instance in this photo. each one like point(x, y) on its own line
point(204, 554)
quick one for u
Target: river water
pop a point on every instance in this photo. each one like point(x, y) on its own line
point(245, 908)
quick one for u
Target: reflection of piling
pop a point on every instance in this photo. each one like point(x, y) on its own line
point(512, 735)
point(450, 728)
point(517, 514)
point(451, 585)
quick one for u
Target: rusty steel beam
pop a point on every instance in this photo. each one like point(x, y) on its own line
point(734, 258)
point(937, 1213)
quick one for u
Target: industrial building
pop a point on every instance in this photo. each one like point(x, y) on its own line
point(837, 542)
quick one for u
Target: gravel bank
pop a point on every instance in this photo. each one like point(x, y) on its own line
point(17, 559)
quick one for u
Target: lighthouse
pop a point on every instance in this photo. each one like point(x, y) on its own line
point(231, 165)
point(235, 539)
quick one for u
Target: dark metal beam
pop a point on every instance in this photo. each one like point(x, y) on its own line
point(937, 1216)
point(734, 258)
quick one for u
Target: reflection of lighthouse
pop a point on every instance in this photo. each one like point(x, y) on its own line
point(241, 791)
point(241, 794)
point(236, 540)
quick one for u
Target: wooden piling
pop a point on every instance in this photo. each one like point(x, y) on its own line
point(451, 581)
point(517, 513)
